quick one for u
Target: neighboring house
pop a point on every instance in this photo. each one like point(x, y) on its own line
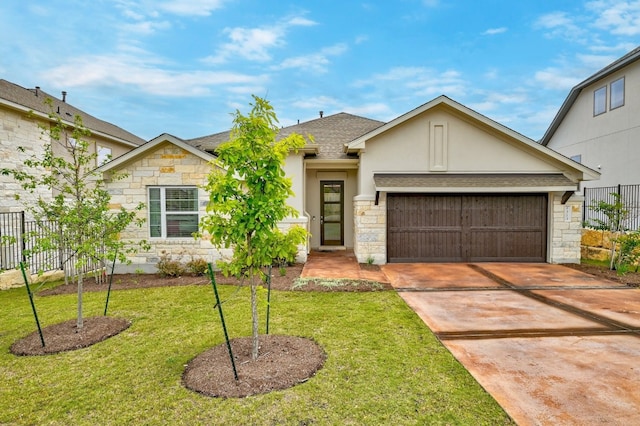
point(440, 183)
point(23, 114)
point(598, 124)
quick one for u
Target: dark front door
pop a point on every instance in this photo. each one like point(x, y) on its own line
point(332, 213)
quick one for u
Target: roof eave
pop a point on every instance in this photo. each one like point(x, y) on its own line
point(631, 57)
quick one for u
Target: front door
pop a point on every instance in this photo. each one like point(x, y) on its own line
point(332, 213)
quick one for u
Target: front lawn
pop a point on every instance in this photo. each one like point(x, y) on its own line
point(384, 366)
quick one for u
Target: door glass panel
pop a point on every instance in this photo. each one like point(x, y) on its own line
point(332, 231)
point(332, 213)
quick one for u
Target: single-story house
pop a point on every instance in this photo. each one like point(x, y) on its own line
point(441, 183)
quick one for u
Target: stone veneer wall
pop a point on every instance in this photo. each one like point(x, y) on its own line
point(370, 227)
point(565, 229)
point(17, 130)
point(169, 165)
point(370, 240)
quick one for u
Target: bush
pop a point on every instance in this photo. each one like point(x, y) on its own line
point(197, 267)
point(168, 267)
point(629, 251)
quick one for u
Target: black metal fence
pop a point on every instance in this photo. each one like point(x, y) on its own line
point(629, 195)
point(18, 237)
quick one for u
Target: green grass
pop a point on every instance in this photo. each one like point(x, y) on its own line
point(383, 367)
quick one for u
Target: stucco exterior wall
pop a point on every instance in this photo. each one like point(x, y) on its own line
point(470, 148)
point(607, 142)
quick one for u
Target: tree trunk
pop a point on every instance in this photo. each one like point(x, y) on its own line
point(254, 317)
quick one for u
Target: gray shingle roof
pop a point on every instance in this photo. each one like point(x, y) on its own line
point(330, 133)
point(33, 99)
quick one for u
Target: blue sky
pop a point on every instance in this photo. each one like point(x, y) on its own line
point(183, 66)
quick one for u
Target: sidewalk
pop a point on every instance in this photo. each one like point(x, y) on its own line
point(339, 264)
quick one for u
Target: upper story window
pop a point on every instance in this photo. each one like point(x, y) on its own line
point(617, 94)
point(577, 158)
point(600, 101)
point(104, 155)
point(173, 212)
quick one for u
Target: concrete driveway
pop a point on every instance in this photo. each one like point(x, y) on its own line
point(552, 345)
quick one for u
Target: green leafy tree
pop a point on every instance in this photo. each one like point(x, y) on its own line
point(86, 229)
point(247, 198)
point(615, 214)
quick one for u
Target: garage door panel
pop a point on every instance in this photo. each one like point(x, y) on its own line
point(466, 227)
point(516, 246)
point(427, 246)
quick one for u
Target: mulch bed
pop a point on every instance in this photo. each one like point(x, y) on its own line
point(283, 362)
point(65, 336)
point(631, 279)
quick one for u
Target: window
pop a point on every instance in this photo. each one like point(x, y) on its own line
point(617, 94)
point(600, 101)
point(173, 212)
point(577, 158)
point(104, 155)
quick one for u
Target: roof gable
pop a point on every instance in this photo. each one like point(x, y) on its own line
point(475, 144)
point(615, 66)
point(150, 146)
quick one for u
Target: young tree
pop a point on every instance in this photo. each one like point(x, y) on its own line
point(247, 198)
point(615, 214)
point(86, 230)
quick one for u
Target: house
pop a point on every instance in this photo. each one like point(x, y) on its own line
point(598, 124)
point(441, 183)
point(23, 113)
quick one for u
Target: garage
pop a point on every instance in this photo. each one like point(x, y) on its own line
point(466, 227)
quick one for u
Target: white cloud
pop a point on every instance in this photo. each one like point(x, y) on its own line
point(315, 102)
point(377, 109)
point(146, 27)
point(557, 79)
point(143, 75)
point(617, 17)
point(316, 62)
point(494, 31)
point(191, 7)
point(254, 44)
point(418, 82)
point(559, 24)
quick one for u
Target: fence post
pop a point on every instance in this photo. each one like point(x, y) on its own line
point(584, 207)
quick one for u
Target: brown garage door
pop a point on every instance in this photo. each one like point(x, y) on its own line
point(466, 228)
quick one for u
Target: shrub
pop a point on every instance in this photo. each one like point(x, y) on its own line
point(629, 251)
point(167, 267)
point(197, 267)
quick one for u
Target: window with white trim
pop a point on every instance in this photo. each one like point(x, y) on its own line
point(600, 101)
point(617, 94)
point(173, 211)
point(103, 155)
